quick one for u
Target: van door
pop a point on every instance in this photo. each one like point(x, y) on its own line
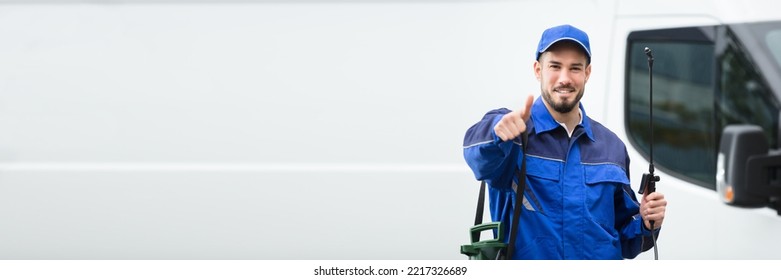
point(705, 77)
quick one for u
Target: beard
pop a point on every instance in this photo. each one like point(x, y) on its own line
point(563, 106)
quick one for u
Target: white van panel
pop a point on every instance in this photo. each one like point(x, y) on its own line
point(250, 131)
point(304, 130)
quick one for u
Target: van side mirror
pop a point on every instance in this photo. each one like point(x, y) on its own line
point(746, 174)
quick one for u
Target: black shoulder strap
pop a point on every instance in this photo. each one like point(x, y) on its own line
point(521, 175)
point(479, 212)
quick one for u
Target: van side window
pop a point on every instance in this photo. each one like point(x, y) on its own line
point(685, 131)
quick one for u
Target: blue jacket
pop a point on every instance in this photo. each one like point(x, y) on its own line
point(578, 203)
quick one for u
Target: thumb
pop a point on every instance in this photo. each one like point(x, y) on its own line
point(527, 107)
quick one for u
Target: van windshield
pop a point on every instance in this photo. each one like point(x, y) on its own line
point(762, 41)
point(773, 42)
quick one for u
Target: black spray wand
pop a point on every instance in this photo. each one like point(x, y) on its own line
point(648, 182)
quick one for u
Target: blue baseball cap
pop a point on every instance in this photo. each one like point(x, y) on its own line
point(563, 32)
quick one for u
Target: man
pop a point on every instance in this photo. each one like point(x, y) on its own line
point(578, 202)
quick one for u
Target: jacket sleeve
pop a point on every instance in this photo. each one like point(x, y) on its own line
point(486, 154)
point(635, 238)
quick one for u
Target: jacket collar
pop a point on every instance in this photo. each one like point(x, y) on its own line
point(543, 120)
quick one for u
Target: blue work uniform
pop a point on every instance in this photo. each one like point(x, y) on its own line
point(578, 203)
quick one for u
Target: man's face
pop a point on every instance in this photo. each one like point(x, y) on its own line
point(562, 72)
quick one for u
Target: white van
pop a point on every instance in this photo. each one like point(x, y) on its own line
point(333, 129)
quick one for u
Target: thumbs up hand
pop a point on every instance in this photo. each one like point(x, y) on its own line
point(513, 123)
